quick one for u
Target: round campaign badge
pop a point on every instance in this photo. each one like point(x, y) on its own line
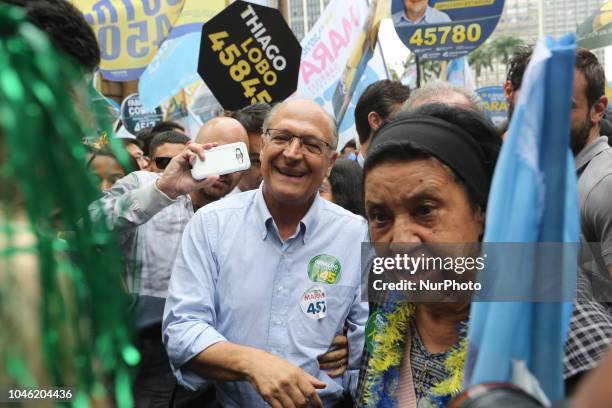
point(314, 303)
point(135, 118)
point(445, 29)
point(494, 103)
point(324, 269)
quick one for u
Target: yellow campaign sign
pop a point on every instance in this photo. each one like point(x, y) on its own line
point(197, 12)
point(129, 32)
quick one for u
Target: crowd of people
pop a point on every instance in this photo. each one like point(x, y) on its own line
point(248, 288)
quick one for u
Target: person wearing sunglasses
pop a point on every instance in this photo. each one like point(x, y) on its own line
point(164, 147)
point(149, 210)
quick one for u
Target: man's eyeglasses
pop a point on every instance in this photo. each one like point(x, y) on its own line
point(162, 162)
point(309, 144)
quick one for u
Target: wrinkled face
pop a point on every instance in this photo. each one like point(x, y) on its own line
point(252, 177)
point(291, 174)
point(165, 151)
point(108, 171)
point(581, 114)
point(427, 206)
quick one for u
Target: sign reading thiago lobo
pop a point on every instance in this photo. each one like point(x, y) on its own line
point(248, 54)
point(445, 29)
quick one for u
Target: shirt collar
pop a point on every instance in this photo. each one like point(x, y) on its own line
point(305, 228)
point(262, 212)
point(589, 152)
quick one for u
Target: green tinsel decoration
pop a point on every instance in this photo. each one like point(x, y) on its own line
point(54, 258)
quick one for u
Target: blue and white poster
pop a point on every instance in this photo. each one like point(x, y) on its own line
point(445, 29)
point(327, 49)
point(494, 103)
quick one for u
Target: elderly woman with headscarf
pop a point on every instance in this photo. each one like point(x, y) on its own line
point(426, 182)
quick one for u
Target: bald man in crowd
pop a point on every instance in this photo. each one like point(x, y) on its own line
point(221, 130)
point(256, 321)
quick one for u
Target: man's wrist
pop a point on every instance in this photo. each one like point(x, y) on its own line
point(248, 362)
point(163, 188)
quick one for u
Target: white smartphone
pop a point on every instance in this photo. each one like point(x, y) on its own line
point(222, 160)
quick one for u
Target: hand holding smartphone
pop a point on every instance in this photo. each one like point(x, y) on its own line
point(221, 160)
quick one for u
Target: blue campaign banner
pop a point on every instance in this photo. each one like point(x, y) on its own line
point(494, 103)
point(445, 29)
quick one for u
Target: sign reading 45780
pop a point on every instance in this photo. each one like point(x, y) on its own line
point(445, 29)
point(248, 54)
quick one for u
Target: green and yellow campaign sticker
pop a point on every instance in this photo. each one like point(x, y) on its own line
point(324, 269)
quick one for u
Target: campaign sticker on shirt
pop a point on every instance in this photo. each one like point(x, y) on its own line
point(324, 269)
point(314, 303)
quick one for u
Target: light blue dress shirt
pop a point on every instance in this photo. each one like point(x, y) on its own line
point(235, 280)
point(149, 226)
point(431, 16)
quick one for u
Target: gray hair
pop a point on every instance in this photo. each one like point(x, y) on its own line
point(331, 121)
point(436, 91)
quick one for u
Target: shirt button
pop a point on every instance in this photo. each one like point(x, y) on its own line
point(280, 288)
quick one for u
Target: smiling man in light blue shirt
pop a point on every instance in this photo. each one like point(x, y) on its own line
point(265, 279)
point(418, 12)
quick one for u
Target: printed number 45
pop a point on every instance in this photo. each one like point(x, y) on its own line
point(317, 307)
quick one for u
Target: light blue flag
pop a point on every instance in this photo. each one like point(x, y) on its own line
point(174, 67)
point(458, 73)
point(533, 199)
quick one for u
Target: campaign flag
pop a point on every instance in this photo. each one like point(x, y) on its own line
point(129, 32)
point(533, 199)
point(459, 73)
point(358, 61)
point(175, 65)
point(327, 50)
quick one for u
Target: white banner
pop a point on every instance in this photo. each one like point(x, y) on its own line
point(326, 50)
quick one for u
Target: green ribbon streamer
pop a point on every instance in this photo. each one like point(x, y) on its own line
point(86, 335)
